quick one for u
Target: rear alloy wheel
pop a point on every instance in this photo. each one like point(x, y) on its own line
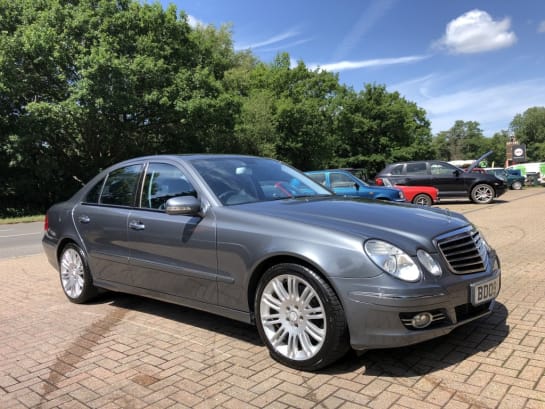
point(75, 276)
point(422, 199)
point(300, 318)
point(482, 194)
point(516, 185)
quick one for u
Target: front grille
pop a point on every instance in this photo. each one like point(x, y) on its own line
point(464, 252)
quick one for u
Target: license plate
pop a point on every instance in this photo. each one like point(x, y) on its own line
point(484, 290)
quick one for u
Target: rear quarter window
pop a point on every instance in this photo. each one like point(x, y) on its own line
point(396, 169)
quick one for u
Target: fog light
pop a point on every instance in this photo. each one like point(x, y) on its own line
point(422, 320)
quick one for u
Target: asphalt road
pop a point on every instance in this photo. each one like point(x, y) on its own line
point(21, 239)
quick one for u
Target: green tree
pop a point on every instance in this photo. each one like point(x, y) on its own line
point(498, 144)
point(287, 112)
point(375, 127)
point(465, 140)
point(88, 83)
point(529, 128)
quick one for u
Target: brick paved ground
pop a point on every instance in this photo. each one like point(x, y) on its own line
point(129, 352)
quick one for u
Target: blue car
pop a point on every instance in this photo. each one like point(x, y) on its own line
point(344, 183)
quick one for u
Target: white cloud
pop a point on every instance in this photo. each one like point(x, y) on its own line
point(492, 107)
point(272, 40)
point(194, 21)
point(541, 27)
point(368, 19)
point(476, 32)
point(353, 65)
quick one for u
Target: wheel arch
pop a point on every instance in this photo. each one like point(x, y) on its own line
point(422, 194)
point(62, 244)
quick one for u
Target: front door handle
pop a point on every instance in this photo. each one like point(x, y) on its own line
point(137, 225)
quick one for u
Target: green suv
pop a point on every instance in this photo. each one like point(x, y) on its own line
point(512, 177)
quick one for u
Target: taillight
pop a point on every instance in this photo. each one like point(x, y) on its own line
point(46, 223)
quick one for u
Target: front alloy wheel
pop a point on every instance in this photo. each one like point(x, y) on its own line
point(516, 185)
point(482, 194)
point(300, 318)
point(74, 274)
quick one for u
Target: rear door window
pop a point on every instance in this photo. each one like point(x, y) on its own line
point(120, 186)
point(419, 168)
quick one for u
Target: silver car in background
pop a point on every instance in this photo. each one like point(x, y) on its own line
point(255, 240)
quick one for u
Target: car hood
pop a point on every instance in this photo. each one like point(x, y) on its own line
point(477, 161)
point(364, 218)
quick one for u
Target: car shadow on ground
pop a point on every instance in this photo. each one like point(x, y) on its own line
point(184, 315)
point(462, 202)
point(479, 336)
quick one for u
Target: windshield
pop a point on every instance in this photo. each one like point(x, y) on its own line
point(237, 180)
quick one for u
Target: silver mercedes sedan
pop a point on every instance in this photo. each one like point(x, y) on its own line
point(255, 240)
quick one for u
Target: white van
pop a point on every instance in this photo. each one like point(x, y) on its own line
point(532, 169)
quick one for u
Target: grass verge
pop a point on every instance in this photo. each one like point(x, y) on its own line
point(24, 219)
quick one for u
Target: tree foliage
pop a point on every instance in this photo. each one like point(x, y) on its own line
point(87, 83)
point(529, 128)
point(375, 127)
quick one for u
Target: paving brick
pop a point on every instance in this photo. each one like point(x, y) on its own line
point(123, 351)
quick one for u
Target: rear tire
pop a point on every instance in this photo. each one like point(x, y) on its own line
point(75, 276)
point(422, 199)
point(300, 318)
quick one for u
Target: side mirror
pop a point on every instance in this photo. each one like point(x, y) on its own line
point(186, 205)
point(457, 172)
point(357, 187)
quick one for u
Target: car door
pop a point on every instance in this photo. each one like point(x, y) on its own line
point(450, 180)
point(101, 222)
point(171, 254)
point(343, 184)
point(415, 174)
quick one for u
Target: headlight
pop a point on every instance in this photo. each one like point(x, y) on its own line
point(392, 260)
point(429, 263)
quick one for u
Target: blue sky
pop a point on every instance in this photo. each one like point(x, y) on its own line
point(480, 61)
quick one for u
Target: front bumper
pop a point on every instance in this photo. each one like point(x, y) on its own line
point(378, 318)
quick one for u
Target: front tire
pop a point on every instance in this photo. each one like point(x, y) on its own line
point(516, 185)
point(300, 318)
point(75, 276)
point(422, 199)
point(482, 194)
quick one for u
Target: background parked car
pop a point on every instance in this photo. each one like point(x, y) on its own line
point(512, 177)
point(421, 195)
point(343, 182)
point(534, 172)
point(452, 182)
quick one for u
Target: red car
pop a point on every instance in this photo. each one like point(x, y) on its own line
point(422, 195)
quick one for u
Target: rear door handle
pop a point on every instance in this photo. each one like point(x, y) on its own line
point(137, 225)
point(84, 219)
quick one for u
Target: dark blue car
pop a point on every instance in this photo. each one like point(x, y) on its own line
point(344, 183)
